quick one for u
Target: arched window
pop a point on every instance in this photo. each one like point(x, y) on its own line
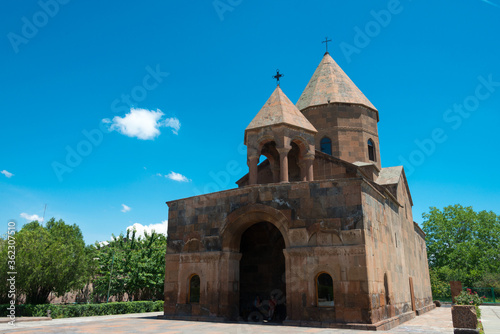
point(194, 289)
point(371, 150)
point(324, 290)
point(326, 145)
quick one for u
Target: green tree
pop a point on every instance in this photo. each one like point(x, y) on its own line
point(439, 284)
point(50, 258)
point(462, 244)
point(490, 280)
point(132, 266)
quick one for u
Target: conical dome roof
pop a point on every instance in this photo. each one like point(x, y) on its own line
point(329, 83)
point(280, 110)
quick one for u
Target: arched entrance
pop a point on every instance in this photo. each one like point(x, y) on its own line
point(262, 273)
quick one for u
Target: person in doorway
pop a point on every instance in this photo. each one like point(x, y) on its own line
point(257, 303)
point(272, 307)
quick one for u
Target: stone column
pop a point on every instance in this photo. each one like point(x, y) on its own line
point(229, 288)
point(308, 164)
point(252, 162)
point(298, 295)
point(306, 167)
point(303, 170)
point(283, 163)
point(171, 290)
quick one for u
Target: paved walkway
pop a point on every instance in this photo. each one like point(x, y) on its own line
point(437, 321)
point(490, 317)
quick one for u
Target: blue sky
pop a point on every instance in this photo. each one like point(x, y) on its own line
point(196, 73)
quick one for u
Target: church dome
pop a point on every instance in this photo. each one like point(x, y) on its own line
point(330, 84)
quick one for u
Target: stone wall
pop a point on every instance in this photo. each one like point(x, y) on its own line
point(398, 256)
point(349, 127)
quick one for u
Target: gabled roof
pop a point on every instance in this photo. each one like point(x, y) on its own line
point(390, 176)
point(329, 83)
point(280, 110)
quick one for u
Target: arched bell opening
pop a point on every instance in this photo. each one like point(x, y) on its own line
point(294, 161)
point(271, 153)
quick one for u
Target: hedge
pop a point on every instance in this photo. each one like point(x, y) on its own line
point(83, 310)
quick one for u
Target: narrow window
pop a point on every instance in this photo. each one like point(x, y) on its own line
point(371, 150)
point(324, 286)
point(386, 288)
point(194, 289)
point(326, 145)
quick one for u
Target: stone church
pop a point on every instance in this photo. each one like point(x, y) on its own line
point(317, 234)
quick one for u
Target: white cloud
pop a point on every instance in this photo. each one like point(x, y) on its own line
point(158, 228)
point(31, 218)
point(177, 177)
point(173, 123)
point(159, 174)
point(105, 242)
point(142, 123)
point(7, 174)
point(125, 208)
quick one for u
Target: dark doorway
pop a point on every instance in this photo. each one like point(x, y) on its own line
point(262, 274)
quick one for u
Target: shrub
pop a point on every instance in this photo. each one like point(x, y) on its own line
point(83, 310)
point(470, 298)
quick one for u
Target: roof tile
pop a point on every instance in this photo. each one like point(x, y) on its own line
point(280, 110)
point(329, 83)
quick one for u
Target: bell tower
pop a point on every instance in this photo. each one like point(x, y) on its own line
point(285, 137)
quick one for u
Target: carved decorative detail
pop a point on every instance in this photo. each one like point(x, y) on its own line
point(199, 257)
point(327, 250)
point(356, 129)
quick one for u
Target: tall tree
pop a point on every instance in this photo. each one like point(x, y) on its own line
point(462, 244)
point(50, 258)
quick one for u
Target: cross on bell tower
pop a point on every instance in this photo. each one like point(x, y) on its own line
point(326, 42)
point(278, 76)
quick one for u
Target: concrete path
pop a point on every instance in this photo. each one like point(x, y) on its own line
point(490, 317)
point(437, 321)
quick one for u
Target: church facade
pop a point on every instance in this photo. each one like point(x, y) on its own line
point(318, 234)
